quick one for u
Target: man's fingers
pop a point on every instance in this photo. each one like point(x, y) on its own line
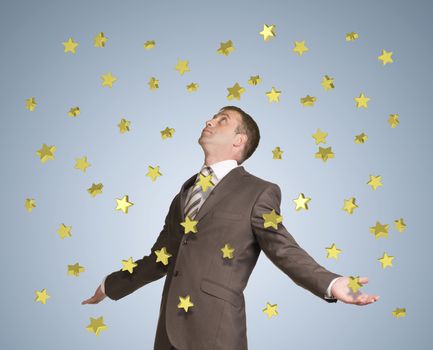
point(363, 280)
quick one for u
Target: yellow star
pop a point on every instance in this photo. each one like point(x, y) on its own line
point(386, 260)
point(128, 265)
point(167, 133)
point(192, 87)
point(361, 101)
point(351, 36)
point(273, 95)
point(333, 252)
point(64, 231)
point(400, 226)
point(301, 202)
point(375, 181)
point(108, 79)
point(162, 255)
point(349, 205)
point(150, 44)
point(308, 100)
point(29, 204)
point(123, 204)
point(42, 296)
point(70, 45)
point(205, 182)
point(75, 270)
point(270, 310)
point(74, 111)
point(96, 325)
point(254, 80)
point(393, 120)
point(361, 138)
point(235, 92)
point(385, 57)
point(81, 164)
point(300, 47)
point(31, 104)
point(319, 136)
point(189, 225)
point(324, 153)
point(272, 219)
point(277, 153)
point(124, 125)
point(153, 173)
point(95, 189)
point(354, 284)
point(227, 251)
point(327, 83)
point(153, 83)
point(379, 230)
point(268, 32)
point(182, 66)
point(226, 48)
point(100, 40)
point(46, 153)
point(185, 303)
point(399, 312)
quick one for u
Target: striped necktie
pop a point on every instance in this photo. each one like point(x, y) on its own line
point(197, 196)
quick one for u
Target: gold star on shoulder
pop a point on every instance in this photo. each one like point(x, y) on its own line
point(308, 100)
point(64, 231)
point(123, 204)
point(333, 252)
point(361, 138)
point(349, 205)
point(277, 153)
point(95, 189)
point(393, 120)
point(124, 125)
point(254, 80)
point(227, 251)
point(319, 136)
point(300, 47)
point(352, 36)
point(42, 296)
point(167, 133)
point(301, 202)
point(75, 270)
point(153, 172)
point(324, 153)
point(108, 79)
point(31, 104)
point(29, 204)
point(386, 260)
point(361, 101)
point(327, 83)
point(128, 265)
point(189, 225)
point(46, 153)
point(182, 66)
point(375, 181)
point(192, 87)
point(162, 255)
point(385, 57)
point(273, 95)
point(235, 92)
point(271, 219)
point(74, 111)
point(270, 310)
point(354, 284)
point(268, 32)
point(100, 40)
point(399, 312)
point(81, 164)
point(96, 325)
point(400, 226)
point(185, 303)
point(379, 230)
point(205, 182)
point(153, 83)
point(70, 45)
point(226, 48)
point(150, 44)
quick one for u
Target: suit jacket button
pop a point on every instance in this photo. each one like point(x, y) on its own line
point(185, 241)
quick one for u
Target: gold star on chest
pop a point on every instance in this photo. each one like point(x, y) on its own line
point(185, 303)
point(227, 251)
point(162, 255)
point(205, 182)
point(189, 225)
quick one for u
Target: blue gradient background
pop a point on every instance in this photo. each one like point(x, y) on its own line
point(33, 63)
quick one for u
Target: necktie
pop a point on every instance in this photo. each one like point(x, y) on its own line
point(197, 196)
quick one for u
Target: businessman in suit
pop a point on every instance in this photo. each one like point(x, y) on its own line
point(207, 266)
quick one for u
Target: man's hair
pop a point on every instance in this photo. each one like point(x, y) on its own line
point(249, 127)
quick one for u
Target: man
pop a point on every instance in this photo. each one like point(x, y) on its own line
point(215, 229)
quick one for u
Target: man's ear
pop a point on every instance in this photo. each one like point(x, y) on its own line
point(240, 139)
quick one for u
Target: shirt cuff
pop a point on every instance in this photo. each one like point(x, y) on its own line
point(328, 294)
point(103, 285)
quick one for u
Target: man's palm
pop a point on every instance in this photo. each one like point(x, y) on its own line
point(342, 292)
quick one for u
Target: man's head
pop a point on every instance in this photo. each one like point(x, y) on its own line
point(230, 134)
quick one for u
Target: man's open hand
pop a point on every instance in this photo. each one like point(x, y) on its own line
point(97, 297)
point(341, 291)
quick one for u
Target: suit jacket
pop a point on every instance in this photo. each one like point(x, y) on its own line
point(231, 214)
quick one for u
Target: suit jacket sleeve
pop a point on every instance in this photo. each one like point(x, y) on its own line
point(282, 249)
point(122, 283)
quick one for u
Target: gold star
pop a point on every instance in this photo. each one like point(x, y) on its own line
point(108, 79)
point(379, 230)
point(324, 153)
point(81, 164)
point(185, 303)
point(333, 252)
point(153, 83)
point(327, 83)
point(277, 153)
point(254, 80)
point(128, 265)
point(31, 104)
point(393, 120)
point(150, 44)
point(182, 66)
point(361, 138)
point(95, 189)
point(300, 47)
point(226, 48)
point(400, 226)
point(75, 270)
point(153, 173)
point(29, 204)
point(361, 101)
point(74, 111)
point(205, 182)
point(399, 312)
point(349, 205)
point(100, 40)
point(123, 204)
point(189, 225)
point(167, 133)
point(375, 181)
point(319, 136)
point(301, 202)
point(308, 100)
point(351, 36)
point(270, 310)
point(385, 57)
point(42, 296)
point(162, 255)
point(64, 231)
point(70, 45)
point(46, 153)
point(124, 125)
point(227, 251)
point(192, 87)
point(354, 284)
point(96, 325)
point(268, 32)
point(386, 260)
point(273, 95)
point(235, 92)
point(272, 219)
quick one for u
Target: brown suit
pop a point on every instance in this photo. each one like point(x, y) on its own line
point(231, 214)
